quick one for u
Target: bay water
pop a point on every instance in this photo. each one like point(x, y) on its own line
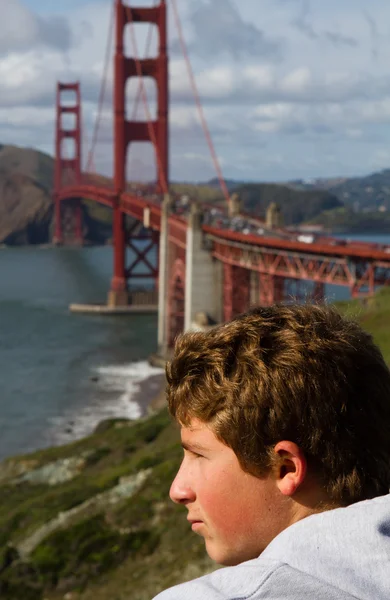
point(62, 373)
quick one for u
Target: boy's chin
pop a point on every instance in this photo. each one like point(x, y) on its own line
point(227, 557)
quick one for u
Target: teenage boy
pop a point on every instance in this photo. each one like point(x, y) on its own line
point(285, 425)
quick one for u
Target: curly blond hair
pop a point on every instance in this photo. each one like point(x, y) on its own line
point(299, 373)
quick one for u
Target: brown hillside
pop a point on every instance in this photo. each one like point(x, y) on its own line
point(26, 207)
point(25, 210)
point(30, 162)
point(26, 177)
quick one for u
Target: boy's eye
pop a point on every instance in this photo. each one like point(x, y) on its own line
point(193, 454)
point(197, 455)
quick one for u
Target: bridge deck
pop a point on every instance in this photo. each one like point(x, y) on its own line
point(134, 204)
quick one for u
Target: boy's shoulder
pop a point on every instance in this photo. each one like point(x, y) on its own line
point(240, 581)
point(334, 555)
point(259, 579)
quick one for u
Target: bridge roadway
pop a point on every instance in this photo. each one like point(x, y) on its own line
point(134, 204)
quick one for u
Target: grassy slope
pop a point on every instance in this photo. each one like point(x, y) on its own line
point(374, 316)
point(139, 546)
point(132, 549)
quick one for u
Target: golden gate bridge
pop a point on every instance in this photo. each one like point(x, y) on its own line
point(199, 267)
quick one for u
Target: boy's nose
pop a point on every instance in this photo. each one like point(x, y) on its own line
point(181, 491)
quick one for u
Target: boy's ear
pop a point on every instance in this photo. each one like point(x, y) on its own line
point(290, 467)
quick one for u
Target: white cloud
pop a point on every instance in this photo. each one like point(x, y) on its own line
point(238, 38)
point(297, 82)
point(261, 77)
point(217, 82)
point(20, 29)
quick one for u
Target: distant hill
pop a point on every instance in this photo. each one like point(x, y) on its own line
point(26, 206)
point(297, 206)
point(316, 184)
point(231, 184)
point(346, 220)
point(367, 193)
point(25, 203)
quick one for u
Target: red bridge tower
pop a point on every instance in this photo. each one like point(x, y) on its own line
point(68, 224)
point(126, 132)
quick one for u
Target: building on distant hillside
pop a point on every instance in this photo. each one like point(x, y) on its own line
point(307, 228)
point(234, 206)
point(274, 217)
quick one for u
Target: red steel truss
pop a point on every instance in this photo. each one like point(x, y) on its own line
point(127, 132)
point(67, 216)
point(361, 275)
point(272, 289)
point(236, 290)
point(143, 266)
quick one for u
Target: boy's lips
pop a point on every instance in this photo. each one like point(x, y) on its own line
point(195, 523)
point(192, 520)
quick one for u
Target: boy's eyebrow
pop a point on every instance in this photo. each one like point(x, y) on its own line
point(193, 446)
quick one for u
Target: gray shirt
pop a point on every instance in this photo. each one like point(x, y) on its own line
point(342, 554)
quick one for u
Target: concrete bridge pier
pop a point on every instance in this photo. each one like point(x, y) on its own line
point(163, 279)
point(254, 288)
point(204, 276)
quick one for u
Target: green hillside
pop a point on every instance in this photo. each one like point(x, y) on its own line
point(111, 530)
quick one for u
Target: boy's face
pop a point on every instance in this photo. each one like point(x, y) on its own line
point(236, 513)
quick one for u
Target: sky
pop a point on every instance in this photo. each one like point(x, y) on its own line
point(291, 89)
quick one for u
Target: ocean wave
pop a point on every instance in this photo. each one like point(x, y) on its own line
point(117, 387)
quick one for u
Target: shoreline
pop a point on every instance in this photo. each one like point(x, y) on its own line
point(148, 396)
point(151, 394)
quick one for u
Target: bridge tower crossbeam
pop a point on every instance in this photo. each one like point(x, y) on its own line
point(68, 224)
point(127, 132)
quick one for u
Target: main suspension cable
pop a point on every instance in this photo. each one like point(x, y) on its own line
point(198, 102)
point(103, 89)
